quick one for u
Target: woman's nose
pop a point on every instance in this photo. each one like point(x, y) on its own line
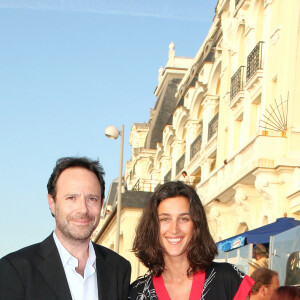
point(174, 227)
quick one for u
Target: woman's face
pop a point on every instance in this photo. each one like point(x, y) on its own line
point(175, 225)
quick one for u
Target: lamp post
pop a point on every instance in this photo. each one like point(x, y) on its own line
point(113, 133)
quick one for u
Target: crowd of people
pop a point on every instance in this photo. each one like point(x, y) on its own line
point(172, 240)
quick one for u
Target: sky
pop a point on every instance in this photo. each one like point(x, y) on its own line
point(69, 69)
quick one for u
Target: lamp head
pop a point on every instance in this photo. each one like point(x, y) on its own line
point(112, 132)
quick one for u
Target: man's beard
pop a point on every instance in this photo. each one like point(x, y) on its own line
point(72, 231)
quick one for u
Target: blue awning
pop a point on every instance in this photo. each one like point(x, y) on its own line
point(259, 235)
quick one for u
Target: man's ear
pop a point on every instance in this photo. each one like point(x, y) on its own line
point(263, 290)
point(102, 202)
point(260, 291)
point(51, 203)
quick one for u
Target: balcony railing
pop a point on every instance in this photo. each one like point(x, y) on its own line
point(254, 61)
point(138, 185)
point(213, 126)
point(146, 184)
point(180, 164)
point(237, 82)
point(195, 146)
point(167, 176)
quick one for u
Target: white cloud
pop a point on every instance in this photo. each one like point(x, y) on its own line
point(179, 10)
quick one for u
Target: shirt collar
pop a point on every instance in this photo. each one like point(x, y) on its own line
point(66, 257)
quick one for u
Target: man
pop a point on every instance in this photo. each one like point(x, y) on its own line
point(186, 178)
point(261, 258)
point(124, 185)
point(266, 281)
point(67, 265)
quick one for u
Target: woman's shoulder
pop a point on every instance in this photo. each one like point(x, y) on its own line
point(228, 280)
point(142, 280)
point(142, 286)
point(142, 283)
point(225, 269)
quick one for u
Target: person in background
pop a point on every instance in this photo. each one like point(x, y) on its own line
point(266, 281)
point(186, 178)
point(286, 293)
point(67, 265)
point(124, 184)
point(261, 258)
point(173, 241)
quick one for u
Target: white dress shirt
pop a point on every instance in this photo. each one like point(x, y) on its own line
point(82, 288)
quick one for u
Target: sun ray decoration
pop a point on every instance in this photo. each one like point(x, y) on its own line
point(275, 118)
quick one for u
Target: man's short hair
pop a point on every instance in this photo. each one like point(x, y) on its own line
point(262, 276)
point(70, 162)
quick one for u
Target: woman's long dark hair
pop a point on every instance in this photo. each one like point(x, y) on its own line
point(201, 248)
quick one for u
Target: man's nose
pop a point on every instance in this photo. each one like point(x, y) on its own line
point(82, 205)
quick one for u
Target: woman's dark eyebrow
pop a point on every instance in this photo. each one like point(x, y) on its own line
point(167, 214)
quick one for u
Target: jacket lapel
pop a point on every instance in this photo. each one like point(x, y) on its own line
point(104, 275)
point(52, 269)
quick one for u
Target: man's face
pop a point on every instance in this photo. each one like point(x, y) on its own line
point(270, 289)
point(77, 204)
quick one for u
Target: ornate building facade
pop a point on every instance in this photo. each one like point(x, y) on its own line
point(230, 118)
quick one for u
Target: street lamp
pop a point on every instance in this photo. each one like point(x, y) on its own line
point(113, 133)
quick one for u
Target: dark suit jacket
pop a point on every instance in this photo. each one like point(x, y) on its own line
point(36, 273)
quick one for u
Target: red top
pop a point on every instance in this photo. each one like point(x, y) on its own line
point(196, 291)
point(197, 287)
point(244, 288)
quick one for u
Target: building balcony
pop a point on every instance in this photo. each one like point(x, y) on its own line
point(240, 168)
point(254, 61)
point(213, 126)
point(180, 164)
point(195, 146)
point(146, 185)
point(254, 76)
point(237, 86)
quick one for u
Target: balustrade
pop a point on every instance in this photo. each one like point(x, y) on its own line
point(180, 164)
point(237, 82)
point(195, 146)
point(254, 61)
point(213, 126)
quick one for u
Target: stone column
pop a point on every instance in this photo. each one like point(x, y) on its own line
point(205, 167)
point(155, 175)
point(246, 204)
point(268, 185)
point(178, 150)
point(218, 219)
point(165, 166)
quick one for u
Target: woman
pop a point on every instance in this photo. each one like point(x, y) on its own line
point(173, 241)
point(286, 293)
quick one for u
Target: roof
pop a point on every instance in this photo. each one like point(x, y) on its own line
point(259, 235)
